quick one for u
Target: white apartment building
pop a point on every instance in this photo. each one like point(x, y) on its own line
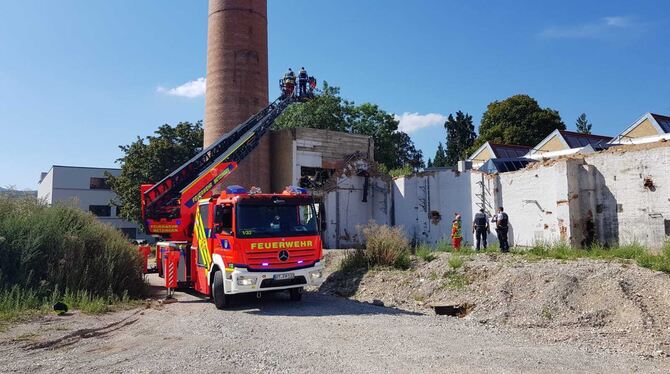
point(87, 188)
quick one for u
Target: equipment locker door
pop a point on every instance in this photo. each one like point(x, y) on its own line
point(203, 233)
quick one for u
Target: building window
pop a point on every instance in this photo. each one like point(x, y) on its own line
point(100, 210)
point(129, 232)
point(99, 183)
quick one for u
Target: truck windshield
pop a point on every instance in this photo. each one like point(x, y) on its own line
point(258, 221)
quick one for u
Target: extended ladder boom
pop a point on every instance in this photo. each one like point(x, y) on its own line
point(167, 205)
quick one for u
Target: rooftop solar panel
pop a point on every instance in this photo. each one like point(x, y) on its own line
point(664, 122)
point(500, 165)
point(576, 140)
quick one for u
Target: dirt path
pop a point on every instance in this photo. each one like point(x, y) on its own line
point(320, 334)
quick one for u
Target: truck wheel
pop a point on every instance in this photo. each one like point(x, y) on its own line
point(296, 294)
point(221, 300)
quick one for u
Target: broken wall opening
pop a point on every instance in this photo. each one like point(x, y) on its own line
point(314, 178)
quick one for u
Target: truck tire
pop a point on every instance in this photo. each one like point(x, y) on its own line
point(295, 293)
point(221, 300)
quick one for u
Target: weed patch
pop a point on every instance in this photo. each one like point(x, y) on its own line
point(455, 262)
point(353, 261)
point(454, 280)
point(443, 246)
point(635, 252)
point(18, 304)
point(425, 253)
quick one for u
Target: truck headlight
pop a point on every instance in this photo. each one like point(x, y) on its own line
point(246, 281)
point(316, 274)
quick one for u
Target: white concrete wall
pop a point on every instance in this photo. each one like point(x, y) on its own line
point(345, 210)
point(537, 202)
point(626, 210)
point(405, 205)
point(420, 197)
point(548, 203)
point(606, 188)
point(485, 194)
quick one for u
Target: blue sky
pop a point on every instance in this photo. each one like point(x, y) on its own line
point(79, 78)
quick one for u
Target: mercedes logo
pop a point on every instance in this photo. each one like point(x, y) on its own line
point(283, 255)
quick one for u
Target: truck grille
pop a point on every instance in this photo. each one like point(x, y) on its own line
point(297, 258)
point(269, 283)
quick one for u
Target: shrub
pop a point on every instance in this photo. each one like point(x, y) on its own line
point(425, 253)
point(403, 261)
point(49, 250)
point(443, 246)
point(401, 172)
point(455, 262)
point(353, 261)
point(386, 246)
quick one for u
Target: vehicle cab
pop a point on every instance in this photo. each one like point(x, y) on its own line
point(257, 242)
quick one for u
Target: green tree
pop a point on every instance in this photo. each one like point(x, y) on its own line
point(394, 149)
point(460, 137)
point(583, 125)
point(440, 159)
point(327, 111)
point(406, 154)
point(517, 120)
point(150, 159)
point(429, 164)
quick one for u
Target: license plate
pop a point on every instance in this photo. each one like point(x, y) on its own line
point(284, 276)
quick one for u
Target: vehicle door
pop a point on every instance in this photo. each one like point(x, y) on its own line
point(224, 236)
point(203, 233)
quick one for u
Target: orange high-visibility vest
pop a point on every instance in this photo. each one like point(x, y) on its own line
point(456, 229)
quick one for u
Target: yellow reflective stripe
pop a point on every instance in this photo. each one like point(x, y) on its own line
point(202, 240)
point(223, 158)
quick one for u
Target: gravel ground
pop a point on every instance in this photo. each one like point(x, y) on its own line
point(610, 305)
point(273, 335)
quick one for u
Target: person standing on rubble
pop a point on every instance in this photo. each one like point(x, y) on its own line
point(502, 227)
point(480, 228)
point(456, 232)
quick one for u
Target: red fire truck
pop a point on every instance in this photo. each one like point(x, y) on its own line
point(240, 240)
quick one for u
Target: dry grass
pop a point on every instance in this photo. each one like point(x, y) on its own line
point(49, 252)
point(385, 246)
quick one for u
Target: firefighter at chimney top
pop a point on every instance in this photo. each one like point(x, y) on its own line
point(302, 81)
point(456, 232)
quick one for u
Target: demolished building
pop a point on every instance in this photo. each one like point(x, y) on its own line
point(339, 171)
point(613, 197)
point(611, 194)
